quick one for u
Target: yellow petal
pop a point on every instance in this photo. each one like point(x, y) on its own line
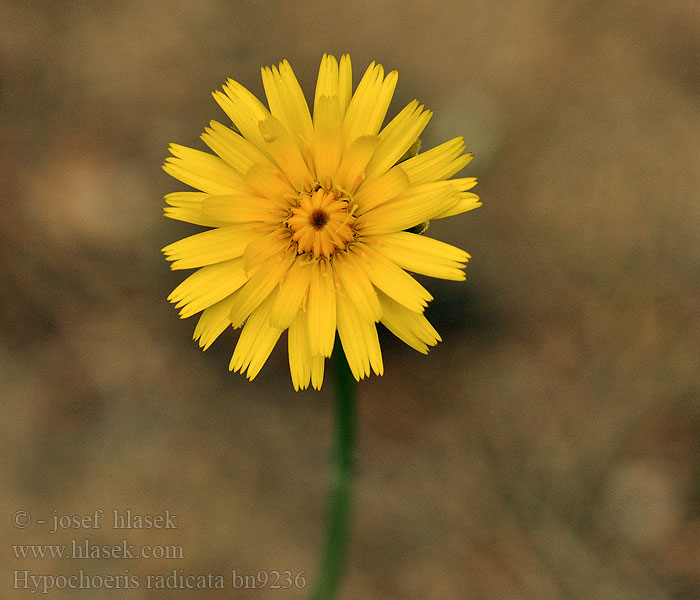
point(257, 340)
point(391, 279)
point(327, 80)
point(299, 353)
point(187, 207)
point(422, 254)
point(409, 326)
point(417, 205)
point(282, 147)
point(397, 137)
point(351, 171)
point(242, 209)
point(244, 110)
point(334, 81)
point(344, 83)
point(438, 163)
point(207, 286)
point(260, 285)
point(293, 289)
point(369, 104)
point(203, 171)
point(317, 367)
point(185, 199)
point(380, 190)
point(321, 308)
point(212, 322)
point(359, 339)
point(258, 251)
point(269, 182)
point(286, 100)
point(467, 201)
point(462, 184)
point(298, 110)
point(209, 247)
point(302, 365)
point(232, 147)
point(326, 144)
point(356, 286)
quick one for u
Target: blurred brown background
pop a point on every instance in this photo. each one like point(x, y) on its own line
point(548, 449)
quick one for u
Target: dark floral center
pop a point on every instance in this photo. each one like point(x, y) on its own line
point(318, 219)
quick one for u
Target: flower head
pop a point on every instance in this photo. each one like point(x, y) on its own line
point(312, 221)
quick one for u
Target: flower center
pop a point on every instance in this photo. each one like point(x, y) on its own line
point(318, 219)
point(322, 223)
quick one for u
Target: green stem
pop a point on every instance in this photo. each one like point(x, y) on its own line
point(338, 517)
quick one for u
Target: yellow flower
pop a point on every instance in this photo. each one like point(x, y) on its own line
point(310, 221)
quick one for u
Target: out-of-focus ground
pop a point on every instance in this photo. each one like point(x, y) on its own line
point(548, 449)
